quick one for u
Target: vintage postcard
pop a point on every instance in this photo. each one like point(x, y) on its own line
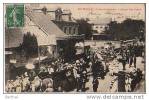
point(74, 48)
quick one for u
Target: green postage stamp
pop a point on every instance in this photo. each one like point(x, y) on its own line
point(15, 15)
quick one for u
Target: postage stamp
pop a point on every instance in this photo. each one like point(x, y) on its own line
point(15, 15)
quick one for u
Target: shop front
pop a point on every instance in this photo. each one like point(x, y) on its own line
point(67, 47)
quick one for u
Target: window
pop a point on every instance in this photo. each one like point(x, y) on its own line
point(69, 30)
point(65, 30)
point(74, 30)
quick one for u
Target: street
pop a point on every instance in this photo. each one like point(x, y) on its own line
point(104, 84)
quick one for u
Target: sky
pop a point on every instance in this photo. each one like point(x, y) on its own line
point(117, 12)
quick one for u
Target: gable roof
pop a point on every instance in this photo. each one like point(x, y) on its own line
point(44, 22)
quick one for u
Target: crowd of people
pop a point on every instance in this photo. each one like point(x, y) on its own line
point(77, 73)
point(32, 81)
point(127, 58)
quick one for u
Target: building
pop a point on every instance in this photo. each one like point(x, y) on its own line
point(48, 35)
point(13, 55)
point(45, 31)
point(64, 21)
point(99, 24)
point(62, 18)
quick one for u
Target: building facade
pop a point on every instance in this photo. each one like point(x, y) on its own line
point(99, 24)
point(63, 19)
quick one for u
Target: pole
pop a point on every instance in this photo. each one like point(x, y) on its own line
point(39, 56)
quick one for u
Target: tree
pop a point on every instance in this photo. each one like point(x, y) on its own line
point(84, 28)
point(128, 29)
point(134, 28)
point(30, 45)
point(113, 29)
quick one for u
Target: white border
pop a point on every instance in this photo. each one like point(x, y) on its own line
point(67, 96)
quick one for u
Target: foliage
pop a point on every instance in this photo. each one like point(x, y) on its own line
point(84, 28)
point(30, 45)
point(128, 29)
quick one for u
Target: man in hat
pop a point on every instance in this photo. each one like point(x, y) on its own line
point(35, 84)
point(95, 84)
point(13, 86)
point(124, 59)
point(83, 79)
point(134, 60)
point(25, 82)
point(18, 83)
point(9, 86)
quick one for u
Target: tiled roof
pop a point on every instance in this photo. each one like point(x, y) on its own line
point(44, 22)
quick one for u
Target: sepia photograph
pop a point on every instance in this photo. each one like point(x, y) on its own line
point(74, 48)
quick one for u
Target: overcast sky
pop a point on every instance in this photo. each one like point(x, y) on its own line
point(114, 11)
